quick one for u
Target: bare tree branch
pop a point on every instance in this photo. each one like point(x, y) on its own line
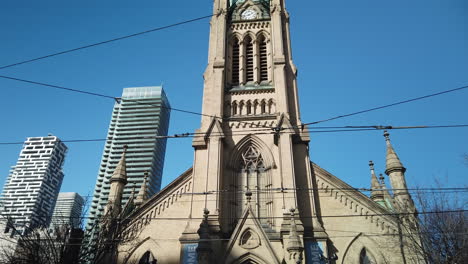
point(439, 237)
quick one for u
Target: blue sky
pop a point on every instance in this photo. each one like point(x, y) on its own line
point(351, 55)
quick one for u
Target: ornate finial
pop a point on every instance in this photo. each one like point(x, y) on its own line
point(387, 136)
point(292, 210)
point(371, 165)
point(206, 212)
point(125, 147)
point(248, 194)
point(146, 175)
point(382, 179)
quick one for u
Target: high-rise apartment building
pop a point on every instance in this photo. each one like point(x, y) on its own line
point(138, 118)
point(68, 209)
point(31, 189)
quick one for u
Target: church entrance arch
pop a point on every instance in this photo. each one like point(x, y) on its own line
point(249, 259)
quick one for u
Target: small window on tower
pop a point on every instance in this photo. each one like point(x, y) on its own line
point(249, 60)
point(263, 59)
point(235, 62)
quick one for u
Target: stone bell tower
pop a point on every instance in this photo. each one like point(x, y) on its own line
point(251, 140)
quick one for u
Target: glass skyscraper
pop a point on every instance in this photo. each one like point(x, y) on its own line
point(138, 118)
point(68, 209)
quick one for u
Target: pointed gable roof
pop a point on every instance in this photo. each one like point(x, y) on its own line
point(142, 194)
point(376, 193)
point(393, 162)
point(120, 172)
point(249, 238)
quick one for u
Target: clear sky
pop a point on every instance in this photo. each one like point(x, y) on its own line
point(351, 55)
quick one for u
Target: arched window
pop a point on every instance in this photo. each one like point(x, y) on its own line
point(241, 108)
point(366, 258)
point(255, 107)
point(252, 177)
point(234, 108)
point(235, 62)
point(262, 107)
point(148, 258)
point(263, 59)
point(271, 106)
point(249, 108)
point(249, 59)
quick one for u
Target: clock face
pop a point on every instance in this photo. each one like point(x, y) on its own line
point(249, 14)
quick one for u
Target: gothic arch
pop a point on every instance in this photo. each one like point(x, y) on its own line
point(236, 38)
point(146, 245)
point(251, 35)
point(250, 167)
point(264, 34)
point(249, 258)
point(353, 252)
point(247, 141)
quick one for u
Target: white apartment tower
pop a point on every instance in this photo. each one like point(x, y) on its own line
point(30, 192)
point(68, 209)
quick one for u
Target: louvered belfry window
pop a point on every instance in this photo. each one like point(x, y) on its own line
point(249, 60)
point(263, 60)
point(235, 62)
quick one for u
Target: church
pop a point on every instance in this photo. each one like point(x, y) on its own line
point(253, 195)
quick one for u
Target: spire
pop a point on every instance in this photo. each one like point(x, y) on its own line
point(117, 184)
point(142, 194)
point(376, 193)
point(393, 162)
point(120, 172)
point(386, 194)
point(295, 247)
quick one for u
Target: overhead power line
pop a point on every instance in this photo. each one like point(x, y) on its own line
point(118, 98)
point(260, 131)
point(106, 41)
point(58, 87)
point(356, 128)
point(277, 217)
point(387, 106)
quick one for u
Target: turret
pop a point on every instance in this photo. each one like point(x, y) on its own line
point(294, 246)
point(142, 194)
point(117, 184)
point(386, 194)
point(396, 172)
point(376, 189)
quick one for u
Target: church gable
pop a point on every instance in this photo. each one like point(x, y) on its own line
point(249, 241)
point(159, 204)
point(352, 201)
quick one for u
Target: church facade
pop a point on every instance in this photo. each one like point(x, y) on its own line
point(253, 195)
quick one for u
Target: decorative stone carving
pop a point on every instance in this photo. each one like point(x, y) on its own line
point(249, 240)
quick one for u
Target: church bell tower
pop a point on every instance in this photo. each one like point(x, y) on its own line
point(251, 151)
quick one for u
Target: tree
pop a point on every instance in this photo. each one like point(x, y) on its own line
point(62, 243)
point(439, 233)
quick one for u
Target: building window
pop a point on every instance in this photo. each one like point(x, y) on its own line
point(249, 60)
point(235, 62)
point(252, 176)
point(366, 258)
point(148, 258)
point(263, 59)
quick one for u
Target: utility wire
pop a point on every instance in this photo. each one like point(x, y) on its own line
point(107, 41)
point(363, 128)
point(274, 217)
point(265, 131)
point(118, 99)
point(387, 106)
